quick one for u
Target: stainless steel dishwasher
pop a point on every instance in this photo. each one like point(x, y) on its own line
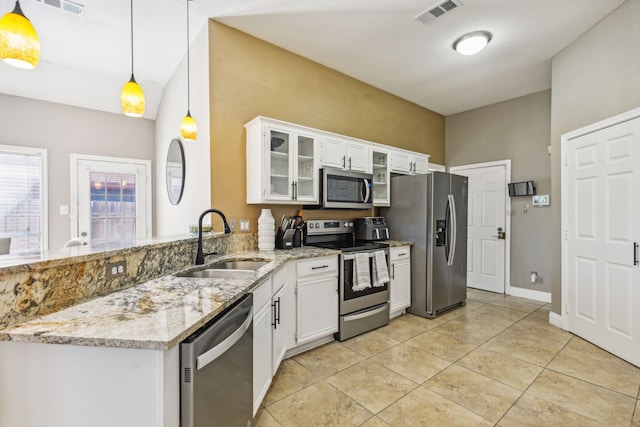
point(216, 369)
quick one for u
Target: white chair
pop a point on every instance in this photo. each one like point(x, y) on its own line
point(5, 245)
point(76, 241)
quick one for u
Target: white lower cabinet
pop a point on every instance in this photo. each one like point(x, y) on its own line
point(283, 316)
point(262, 342)
point(317, 298)
point(273, 326)
point(400, 287)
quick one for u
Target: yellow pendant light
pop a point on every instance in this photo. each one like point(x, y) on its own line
point(19, 43)
point(188, 127)
point(132, 97)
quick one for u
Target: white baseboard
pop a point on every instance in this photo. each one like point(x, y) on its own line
point(556, 320)
point(308, 346)
point(397, 313)
point(530, 294)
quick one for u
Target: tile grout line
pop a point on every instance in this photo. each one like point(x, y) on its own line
point(535, 379)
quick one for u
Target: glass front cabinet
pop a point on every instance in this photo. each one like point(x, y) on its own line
point(380, 170)
point(282, 163)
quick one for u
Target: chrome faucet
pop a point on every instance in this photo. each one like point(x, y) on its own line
point(200, 254)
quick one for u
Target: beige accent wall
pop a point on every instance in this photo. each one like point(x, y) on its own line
point(595, 77)
point(517, 129)
point(250, 77)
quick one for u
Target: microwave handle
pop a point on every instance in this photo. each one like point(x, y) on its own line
point(367, 188)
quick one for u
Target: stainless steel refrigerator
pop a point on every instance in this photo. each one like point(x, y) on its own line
point(431, 211)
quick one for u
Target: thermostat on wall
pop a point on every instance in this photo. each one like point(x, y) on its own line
point(541, 200)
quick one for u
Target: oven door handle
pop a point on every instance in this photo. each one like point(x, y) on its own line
point(217, 351)
point(350, 257)
point(358, 316)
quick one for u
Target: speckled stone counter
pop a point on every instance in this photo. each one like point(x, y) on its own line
point(157, 314)
point(43, 283)
point(397, 243)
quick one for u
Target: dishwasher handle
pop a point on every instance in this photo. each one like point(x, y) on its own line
point(209, 356)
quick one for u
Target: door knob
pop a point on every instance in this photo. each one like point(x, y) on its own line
point(501, 234)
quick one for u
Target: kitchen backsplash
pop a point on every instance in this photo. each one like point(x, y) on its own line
point(34, 289)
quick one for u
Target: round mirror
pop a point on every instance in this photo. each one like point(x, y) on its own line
point(175, 171)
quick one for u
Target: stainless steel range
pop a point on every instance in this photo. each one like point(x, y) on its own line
point(362, 308)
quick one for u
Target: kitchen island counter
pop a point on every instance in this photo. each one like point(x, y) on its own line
point(155, 315)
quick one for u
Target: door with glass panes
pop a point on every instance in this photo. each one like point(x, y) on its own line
point(112, 208)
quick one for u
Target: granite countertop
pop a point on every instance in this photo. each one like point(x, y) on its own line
point(28, 261)
point(155, 315)
point(397, 243)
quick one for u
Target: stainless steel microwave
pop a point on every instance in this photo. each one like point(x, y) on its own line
point(340, 189)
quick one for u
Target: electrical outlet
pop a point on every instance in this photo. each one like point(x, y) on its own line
point(116, 269)
point(232, 225)
point(525, 208)
point(244, 225)
point(534, 277)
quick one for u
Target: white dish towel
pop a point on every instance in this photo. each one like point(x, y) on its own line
point(380, 269)
point(361, 278)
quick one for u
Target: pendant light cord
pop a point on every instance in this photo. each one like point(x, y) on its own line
point(131, 38)
point(188, 66)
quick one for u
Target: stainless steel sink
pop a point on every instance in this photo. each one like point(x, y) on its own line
point(227, 269)
point(209, 273)
point(238, 264)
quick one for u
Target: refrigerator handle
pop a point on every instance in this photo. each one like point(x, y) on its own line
point(453, 228)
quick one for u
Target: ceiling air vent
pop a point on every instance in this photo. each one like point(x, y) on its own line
point(438, 10)
point(64, 6)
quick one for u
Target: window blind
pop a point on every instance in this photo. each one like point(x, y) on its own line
point(21, 199)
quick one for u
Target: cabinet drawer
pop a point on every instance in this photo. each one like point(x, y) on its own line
point(322, 265)
point(403, 252)
point(261, 295)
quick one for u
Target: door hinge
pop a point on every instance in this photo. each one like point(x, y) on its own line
point(566, 309)
point(296, 290)
point(566, 161)
point(566, 234)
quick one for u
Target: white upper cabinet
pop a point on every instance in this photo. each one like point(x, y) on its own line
point(344, 153)
point(282, 164)
point(420, 164)
point(380, 170)
point(409, 163)
point(284, 160)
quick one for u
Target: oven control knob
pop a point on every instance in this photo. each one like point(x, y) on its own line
point(311, 225)
point(317, 225)
point(351, 224)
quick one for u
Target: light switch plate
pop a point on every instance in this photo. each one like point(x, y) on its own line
point(541, 200)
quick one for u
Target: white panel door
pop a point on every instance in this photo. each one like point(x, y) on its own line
point(603, 176)
point(486, 217)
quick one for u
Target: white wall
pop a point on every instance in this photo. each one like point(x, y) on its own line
point(175, 219)
point(595, 77)
point(63, 130)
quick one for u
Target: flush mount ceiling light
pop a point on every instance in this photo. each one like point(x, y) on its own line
point(132, 97)
point(19, 43)
point(472, 43)
point(188, 127)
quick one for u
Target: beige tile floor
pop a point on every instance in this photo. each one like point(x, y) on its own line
point(495, 362)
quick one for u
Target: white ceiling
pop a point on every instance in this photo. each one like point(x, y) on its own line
point(86, 60)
